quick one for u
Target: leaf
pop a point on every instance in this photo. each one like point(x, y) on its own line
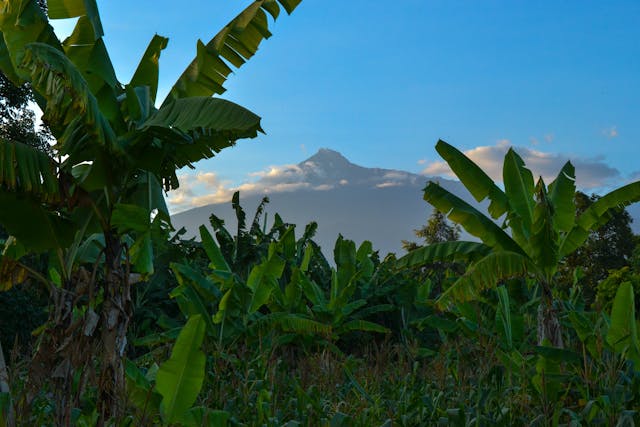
point(27, 170)
point(206, 417)
point(126, 217)
point(89, 55)
point(141, 253)
point(598, 214)
point(213, 251)
point(188, 276)
point(71, 110)
point(312, 291)
point(504, 315)
point(187, 130)
point(203, 117)
point(561, 195)
point(445, 251)
point(63, 9)
point(623, 334)
point(344, 254)
point(191, 304)
point(559, 354)
point(476, 224)
point(290, 322)
point(544, 238)
point(474, 179)
point(180, 378)
point(148, 69)
point(306, 259)
point(485, 274)
point(518, 187)
point(22, 22)
point(236, 43)
point(262, 279)
point(146, 191)
point(139, 388)
point(365, 326)
point(34, 226)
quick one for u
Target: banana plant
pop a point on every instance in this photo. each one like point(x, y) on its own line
point(345, 309)
point(262, 280)
point(539, 228)
point(115, 153)
point(169, 391)
point(233, 306)
point(622, 335)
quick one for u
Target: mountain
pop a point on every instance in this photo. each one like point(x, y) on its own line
point(380, 205)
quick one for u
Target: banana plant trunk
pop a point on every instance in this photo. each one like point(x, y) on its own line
point(549, 329)
point(115, 316)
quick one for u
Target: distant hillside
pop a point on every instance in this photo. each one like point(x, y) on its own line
point(380, 205)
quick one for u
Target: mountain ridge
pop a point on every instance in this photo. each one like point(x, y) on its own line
point(383, 206)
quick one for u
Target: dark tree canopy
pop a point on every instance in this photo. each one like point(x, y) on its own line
point(17, 119)
point(437, 230)
point(610, 247)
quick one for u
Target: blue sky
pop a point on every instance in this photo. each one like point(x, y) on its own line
point(381, 81)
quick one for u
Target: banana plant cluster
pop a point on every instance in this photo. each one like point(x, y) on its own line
point(115, 152)
point(529, 230)
point(277, 291)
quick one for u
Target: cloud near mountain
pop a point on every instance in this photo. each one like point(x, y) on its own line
point(324, 171)
point(328, 169)
point(591, 173)
point(380, 205)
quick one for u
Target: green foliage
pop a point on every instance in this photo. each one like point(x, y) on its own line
point(254, 326)
point(180, 378)
point(623, 332)
point(437, 230)
point(610, 247)
point(607, 289)
point(542, 231)
point(100, 192)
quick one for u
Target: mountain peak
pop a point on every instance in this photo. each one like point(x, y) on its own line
point(328, 157)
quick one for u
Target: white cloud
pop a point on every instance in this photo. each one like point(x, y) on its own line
point(208, 178)
point(611, 132)
point(204, 188)
point(591, 172)
point(388, 184)
point(395, 175)
point(197, 190)
point(323, 187)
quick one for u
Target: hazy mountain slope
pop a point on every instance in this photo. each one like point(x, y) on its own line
point(380, 205)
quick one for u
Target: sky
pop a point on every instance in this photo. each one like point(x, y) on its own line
point(382, 81)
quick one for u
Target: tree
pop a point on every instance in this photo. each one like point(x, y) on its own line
point(98, 204)
point(609, 247)
point(542, 223)
point(17, 120)
point(437, 230)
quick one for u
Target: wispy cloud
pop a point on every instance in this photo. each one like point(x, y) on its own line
point(591, 172)
point(611, 132)
point(204, 188)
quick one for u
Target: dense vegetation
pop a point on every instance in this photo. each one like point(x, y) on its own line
point(110, 317)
